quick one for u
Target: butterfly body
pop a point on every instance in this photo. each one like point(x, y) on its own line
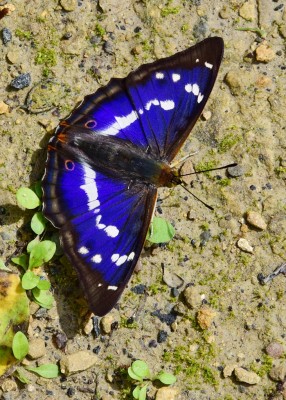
point(107, 159)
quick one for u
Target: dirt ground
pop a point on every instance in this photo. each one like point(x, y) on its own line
point(79, 46)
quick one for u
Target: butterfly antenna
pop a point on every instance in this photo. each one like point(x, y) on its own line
point(208, 170)
point(199, 172)
point(197, 198)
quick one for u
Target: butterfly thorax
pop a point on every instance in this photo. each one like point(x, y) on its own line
point(114, 157)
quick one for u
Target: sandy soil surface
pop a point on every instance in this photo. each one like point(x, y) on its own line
point(81, 45)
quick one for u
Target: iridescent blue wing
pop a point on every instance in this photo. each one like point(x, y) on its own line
point(157, 105)
point(103, 225)
point(104, 219)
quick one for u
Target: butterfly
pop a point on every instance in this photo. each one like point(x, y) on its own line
point(107, 159)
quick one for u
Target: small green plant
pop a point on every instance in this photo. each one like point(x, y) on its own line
point(20, 345)
point(160, 231)
point(139, 372)
point(38, 252)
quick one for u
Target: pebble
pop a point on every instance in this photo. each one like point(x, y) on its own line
point(88, 326)
point(162, 336)
point(206, 115)
point(192, 297)
point(278, 372)
point(275, 350)
point(243, 245)
point(21, 81)
point(228, 370)
point(106, 323)
point(37, 348)
point(242, 375)
point(248, 10)
point(80, 361)
point(167, 393)
point(6, 35)
point(256, 220)
point(108, 47)
point(225, 12)
point(172, 280)
point(236, 171)
point(4, 108)
point(13, 56)
point(9, 385)
point(139, 289)
point(69, 5)
point(264, 53)
point(205, 317)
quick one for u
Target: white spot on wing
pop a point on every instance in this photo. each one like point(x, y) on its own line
point(83, 250)
point(200, 97)
point(122, 121)
point(196, 89)
point(140, 111)
point(111, 231)
point(114, 257)
point(208, 65)
point(159, 75)
point(100, 284)
point(98, 224)
point(96, 258)
point(197, 60)
point(154, 102)
point(112, 287)
point(89, 187)
point(131, 256)
point(188, 87)
point(167, 105)
point(121, 260)
point(176, 77)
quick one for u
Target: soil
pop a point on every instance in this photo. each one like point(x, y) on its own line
point(70, 49)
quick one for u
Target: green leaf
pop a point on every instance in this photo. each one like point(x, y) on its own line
point(22, 378)
point(136, 392)
point(46, 370)
point(22, 260)
point(37, 188)
point(143, 393)
point(38, 223)
point(41, 253)
point(140, 368)
point(166, 378)
point(43, 284)
point(20, 345)
point(32, 243)
point(29, 280)
point(134, 376)
point(3, 266)
point(27, 198)
point(160, 231)
point(43, 298)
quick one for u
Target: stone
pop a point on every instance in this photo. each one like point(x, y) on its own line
point(80, 361)
point(228, 370)
point(4, 108)
point(264, 53)
point(248, 10)
point(37, 348)
point(68, 5)
point(275, 350)
point(167, 393)
point(278, 372)
point(235, 171)
point(256, 220)
point(242, 375)
point(206, 115)
point(192, 297)
point(205, 317)
point(106, 323)
point(13, 56)
point(21, 81)
point(243, 245)
point(9, 385)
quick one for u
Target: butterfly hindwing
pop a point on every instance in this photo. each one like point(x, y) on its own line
point(103, 225)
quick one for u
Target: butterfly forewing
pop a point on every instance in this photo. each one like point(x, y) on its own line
point(104, 217)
